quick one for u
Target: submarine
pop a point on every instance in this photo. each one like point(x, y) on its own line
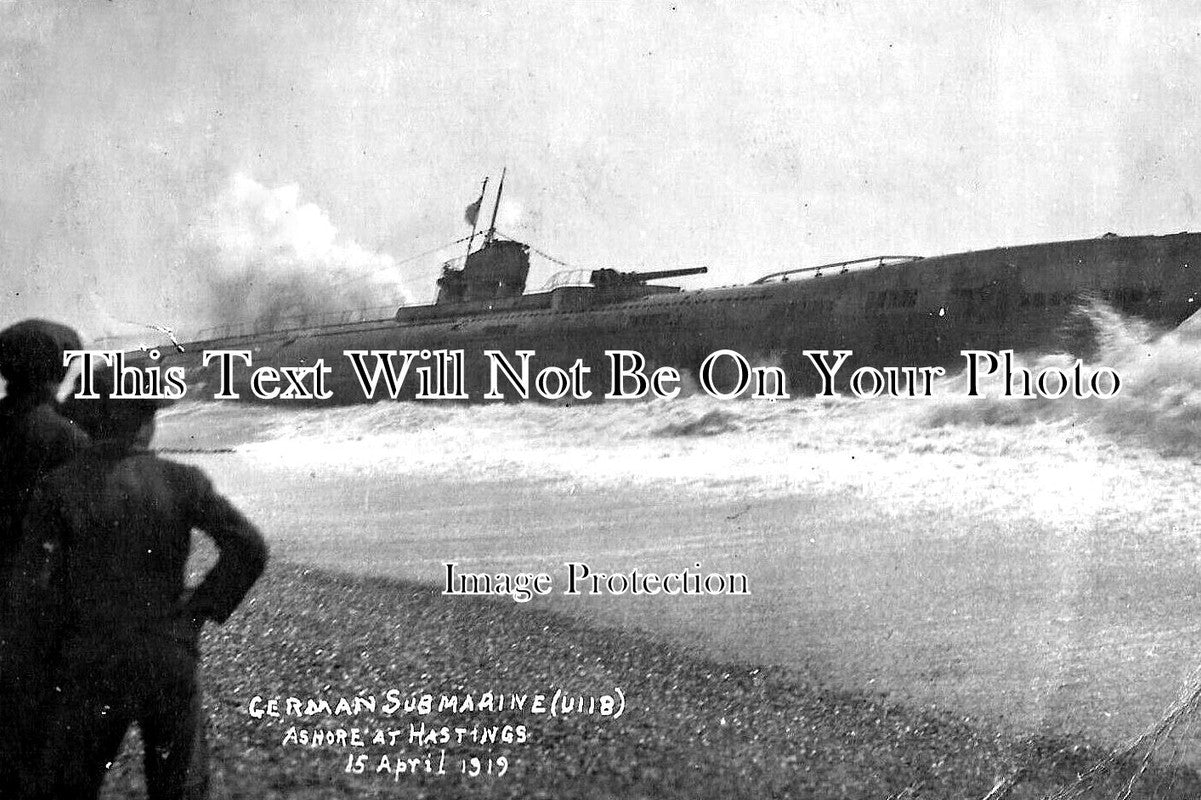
point(883, 310)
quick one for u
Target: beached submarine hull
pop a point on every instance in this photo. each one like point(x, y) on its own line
point(911, 312)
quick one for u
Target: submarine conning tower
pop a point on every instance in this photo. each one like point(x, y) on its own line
point(496, 271)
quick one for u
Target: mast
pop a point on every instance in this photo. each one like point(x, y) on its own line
point(475, 217)
point(499, 190)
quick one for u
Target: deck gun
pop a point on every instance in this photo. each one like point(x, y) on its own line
point(606, 278)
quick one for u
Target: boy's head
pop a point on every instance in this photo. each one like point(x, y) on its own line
point(31, 354)
point(108, 418)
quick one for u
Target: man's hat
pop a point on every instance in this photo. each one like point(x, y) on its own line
point(31, 351)
point(106, 416)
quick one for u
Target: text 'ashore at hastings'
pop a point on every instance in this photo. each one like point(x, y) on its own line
point(441, 375)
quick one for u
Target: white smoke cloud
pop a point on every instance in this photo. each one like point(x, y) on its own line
point(268, 257)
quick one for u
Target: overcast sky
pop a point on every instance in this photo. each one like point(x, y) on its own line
point(156, 154)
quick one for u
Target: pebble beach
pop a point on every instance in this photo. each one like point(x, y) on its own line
point(692, 726)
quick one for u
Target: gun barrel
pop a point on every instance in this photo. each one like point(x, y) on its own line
point(610, 276)
point(669, 273)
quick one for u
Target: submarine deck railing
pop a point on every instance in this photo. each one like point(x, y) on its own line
point(860, 263)
point(299, 322)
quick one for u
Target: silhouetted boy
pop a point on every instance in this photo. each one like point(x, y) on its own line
point(113, 529)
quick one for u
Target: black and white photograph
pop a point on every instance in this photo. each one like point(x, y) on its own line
point(600, 399)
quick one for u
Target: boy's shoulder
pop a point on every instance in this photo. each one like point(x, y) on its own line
point(150, 460)
point(102, 458)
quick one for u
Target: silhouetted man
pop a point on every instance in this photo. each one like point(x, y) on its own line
point(113, 530)
point(34, 438)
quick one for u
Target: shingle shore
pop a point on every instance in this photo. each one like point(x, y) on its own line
point(689, 726)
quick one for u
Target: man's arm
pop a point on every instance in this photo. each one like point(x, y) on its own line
point(242, 558)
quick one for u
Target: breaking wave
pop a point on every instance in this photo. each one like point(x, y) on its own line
point(799, 443)
point(689, 422)
point(1158, 405)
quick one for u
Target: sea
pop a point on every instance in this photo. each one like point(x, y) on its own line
point(1030, 561)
